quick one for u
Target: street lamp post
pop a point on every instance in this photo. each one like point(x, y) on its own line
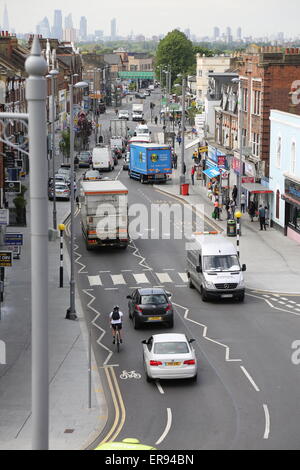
point(241, 106)
point(71, 311)
point(52, 75)
point(182, 173)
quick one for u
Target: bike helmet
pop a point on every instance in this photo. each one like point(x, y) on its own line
point(116, 307)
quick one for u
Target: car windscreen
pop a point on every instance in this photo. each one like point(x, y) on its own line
point(170, 347)
point(153, 299)
point(221, 263)
point(84, 158)
point(61, 187)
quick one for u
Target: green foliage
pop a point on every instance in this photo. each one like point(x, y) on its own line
point(19, 201)
point(176, 50)
point(64, 143)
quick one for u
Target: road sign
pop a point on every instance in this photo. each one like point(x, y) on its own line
point(13, 239)
point(16, 251)
point(5, 259)
point(12, 186)
point(4, 216)
point(203, 149)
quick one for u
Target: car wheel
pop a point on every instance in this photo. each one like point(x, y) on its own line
point(135, 322)
point(203, 295)
point(129, 314)
point(241, 297)
point(171, 323)
point(191, 285)
point(148, 378)
point(194, 379)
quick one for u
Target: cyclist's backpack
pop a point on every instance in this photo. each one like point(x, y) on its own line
point(115, 315)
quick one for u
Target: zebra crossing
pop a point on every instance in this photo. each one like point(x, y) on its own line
point(108, 280)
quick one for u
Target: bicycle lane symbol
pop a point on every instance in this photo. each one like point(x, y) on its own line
point(130, 375)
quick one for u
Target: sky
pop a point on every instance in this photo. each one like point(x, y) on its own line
point(153, 17)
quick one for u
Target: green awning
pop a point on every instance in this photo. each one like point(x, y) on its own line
point(134, 75)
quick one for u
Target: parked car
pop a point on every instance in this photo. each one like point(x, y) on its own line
point(169, 356)
point(140, 95)
point(147, 93)
point(123, 114)
point(92, 175)
point(64, 171)
point(150, 305)
point(62, 191)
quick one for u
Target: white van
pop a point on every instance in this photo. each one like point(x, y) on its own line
point(102, 158)
point(213, 267)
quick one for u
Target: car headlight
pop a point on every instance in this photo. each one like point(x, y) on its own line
point(209, 285)
point(241, 283)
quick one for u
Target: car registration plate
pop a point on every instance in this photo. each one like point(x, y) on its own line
point(154, 318)
point(173, 363)
point(226, 296)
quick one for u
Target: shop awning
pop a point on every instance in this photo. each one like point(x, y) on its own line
point(256, 188)
point(193, 143)
point(212, 172)
point(287, 197)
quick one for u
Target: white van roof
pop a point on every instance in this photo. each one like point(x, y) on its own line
point(107, 187)
point(214, 245)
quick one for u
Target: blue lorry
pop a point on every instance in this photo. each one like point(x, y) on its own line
point(150, 162)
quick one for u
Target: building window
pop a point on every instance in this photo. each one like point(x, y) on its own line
point(256, 102)
point(293, 158)
point(277, 203)
point(200, 73)
point(244, 137)
point(278, 153)
point(245, 99)
point(255, 144)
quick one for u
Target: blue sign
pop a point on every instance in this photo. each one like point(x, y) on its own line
point(14, 239)
point(212, 172)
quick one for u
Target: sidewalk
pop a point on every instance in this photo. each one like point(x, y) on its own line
point(72, 424)
point(272, 259)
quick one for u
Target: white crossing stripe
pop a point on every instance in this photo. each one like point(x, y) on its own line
point(274, 300)
point(163, 277)
point(292, 302)
point(297, 309)
point(118, 279)
point(283, 298)
point(94, 280)
point(298, 305)
point(141, 278)
point(290, 306)
point(183, 277)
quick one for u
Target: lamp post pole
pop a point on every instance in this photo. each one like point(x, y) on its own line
point(53, 74)
point(182, 173)
point(241, 143)
point(36, 96)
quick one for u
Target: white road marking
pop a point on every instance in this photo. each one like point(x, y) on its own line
point(274, 300)
point(265, 295)
point(111, 288)
point(161, 390)
point(183, 277)
point(292, 302)
point(163, 277)
point(117, 279)
point(180, 285)
point(290, 306)
point(126, 270)
point(280, 302)
point(141, 279)
point(298, 305)
point(250, 378)
point(267, 417)
point(168, 427)
point(273, 306)
point(283, 298)
point(104, 272)
point(297, 309)
point(168, 269)
point(94, 280)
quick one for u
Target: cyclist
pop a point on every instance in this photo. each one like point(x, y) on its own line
point(116, 322)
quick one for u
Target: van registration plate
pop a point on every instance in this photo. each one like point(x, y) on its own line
point(226, 296)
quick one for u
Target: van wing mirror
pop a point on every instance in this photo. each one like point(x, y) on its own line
point(244, 267)
point(199, 269)
point(191, 340)
point(128, 297)
point(145, 341)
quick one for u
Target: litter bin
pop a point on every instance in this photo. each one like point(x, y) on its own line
point(184, 189)
point(231, 228)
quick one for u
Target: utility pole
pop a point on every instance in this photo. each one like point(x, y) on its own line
point(182, 173)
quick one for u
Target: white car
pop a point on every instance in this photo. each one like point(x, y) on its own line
point(123, 114)
point(169, 356)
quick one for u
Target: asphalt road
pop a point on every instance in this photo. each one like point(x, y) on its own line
point(246, 396)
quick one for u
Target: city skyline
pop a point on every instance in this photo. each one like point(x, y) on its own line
point(251, 23)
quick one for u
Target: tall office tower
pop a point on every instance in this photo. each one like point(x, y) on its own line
point(216, 32)
point(57, 30)
point(113, 29)
point(69, 22)
point(5, 19)
point(43, 28)
point(239, 33)
point(228, 35)
point(83, 28)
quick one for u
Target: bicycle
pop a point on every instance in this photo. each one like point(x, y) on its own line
point(117, 339)
point(130, 375)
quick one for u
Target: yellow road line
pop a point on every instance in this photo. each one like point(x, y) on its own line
point(123, 411)
point(117, 412)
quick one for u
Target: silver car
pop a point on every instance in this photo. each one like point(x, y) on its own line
point(62, 191)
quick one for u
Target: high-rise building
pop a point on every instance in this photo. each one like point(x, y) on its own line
point(99, 34)
point(216, 32)
point(69, 21)
point(5, 19)
point(113, 29)
point(83, 28)
point(239, 33)
point(57, 30)
point(228, 35)
point(43, 28)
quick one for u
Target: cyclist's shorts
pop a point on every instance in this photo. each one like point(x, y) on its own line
point(117, 326)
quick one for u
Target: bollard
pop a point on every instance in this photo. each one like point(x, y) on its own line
point(238, 215)
point(61, 228)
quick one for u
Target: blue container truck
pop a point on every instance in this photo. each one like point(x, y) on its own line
point(150, 162)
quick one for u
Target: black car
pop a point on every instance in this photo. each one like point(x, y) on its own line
point(150, 305)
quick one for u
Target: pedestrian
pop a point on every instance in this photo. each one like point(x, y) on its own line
point(234, 193)
point(155, 120)
point(251, 210)
point(76, 162)
point(193, 174)
point(175, 160)
point(184, 168)
point(227, 208)
point(232, 208)
point(217, 209)
point(262, 217)
point(116, 111)
point(267, 222)
point(179, 140)
point(243, 202)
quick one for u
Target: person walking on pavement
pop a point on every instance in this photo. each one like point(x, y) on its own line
point(155, 120)
point(184, 168)
point(217, 209)
point(234, 193)
point(227, 208)
point(193, 174)
point(175, 161)
point(179, 140)
point(243, 202)
point(251, 210)
point(232, 208)
point(262, 217)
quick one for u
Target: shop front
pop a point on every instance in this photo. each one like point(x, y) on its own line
point(256, 192)
point(292, 209)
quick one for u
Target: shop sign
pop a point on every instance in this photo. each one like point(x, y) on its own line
point(222, 161)
point(236, 166)
point(249, 169)
point(292, 189)
point(248, 179)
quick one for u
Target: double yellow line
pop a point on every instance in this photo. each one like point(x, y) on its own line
point(120, 412)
